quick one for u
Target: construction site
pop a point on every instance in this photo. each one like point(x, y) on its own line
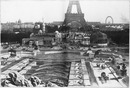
point(76, 55)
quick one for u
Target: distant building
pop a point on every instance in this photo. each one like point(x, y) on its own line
point(16, 26)
point(58, 23)
point(61, 22)
point(19, 21)
point(24, 25)
point(93, 23)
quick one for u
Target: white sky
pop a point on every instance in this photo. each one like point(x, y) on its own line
point(54, 10)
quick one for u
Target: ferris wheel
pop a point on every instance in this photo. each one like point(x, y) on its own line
point(109, 20)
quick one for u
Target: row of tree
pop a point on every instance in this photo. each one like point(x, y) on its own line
point(118, 37)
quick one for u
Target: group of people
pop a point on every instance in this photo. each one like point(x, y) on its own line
point(91, 55)
point(122, 69)
point(35, 46)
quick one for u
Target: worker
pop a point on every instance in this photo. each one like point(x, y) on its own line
point(104, 77)
point(123, 70)
point(102, 66)
point(98, 65)
point(97, 53)
point(40, 32)
point(36, 50)
point(90, 53)
point(58, 37)
point(32, 34)
point(12, 52)
point(118, 67)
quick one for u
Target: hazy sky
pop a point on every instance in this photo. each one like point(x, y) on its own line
point(54, 10)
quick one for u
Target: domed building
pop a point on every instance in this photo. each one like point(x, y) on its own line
point(98, 38)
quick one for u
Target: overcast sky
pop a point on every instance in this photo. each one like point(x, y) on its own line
point(54, 10)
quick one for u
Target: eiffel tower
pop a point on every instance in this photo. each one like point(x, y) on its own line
point(74, 20)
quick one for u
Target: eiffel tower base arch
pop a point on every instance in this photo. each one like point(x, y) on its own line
point(75, 21)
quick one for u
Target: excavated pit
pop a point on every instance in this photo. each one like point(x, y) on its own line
point(55, 69)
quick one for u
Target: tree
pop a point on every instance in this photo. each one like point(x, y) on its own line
point(64, 29)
